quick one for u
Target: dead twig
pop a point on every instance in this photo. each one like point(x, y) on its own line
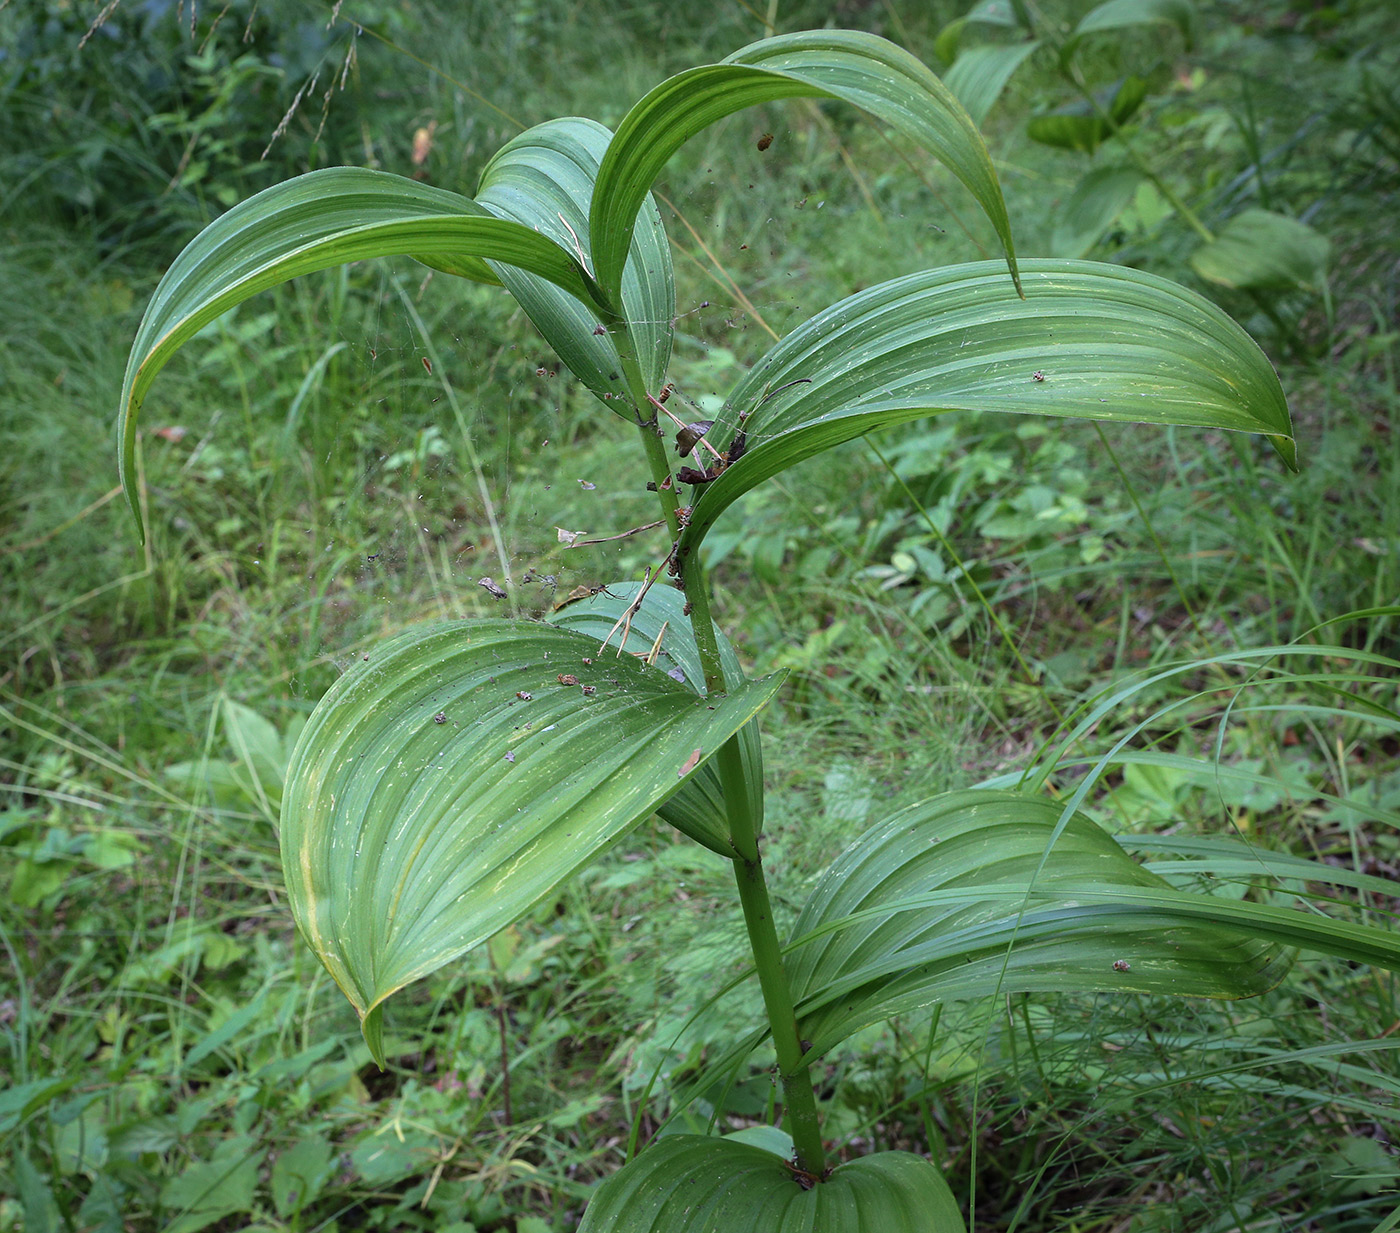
point(607, 539)
point(624, 622)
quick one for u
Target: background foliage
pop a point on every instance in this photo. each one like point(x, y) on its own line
point(355, 451)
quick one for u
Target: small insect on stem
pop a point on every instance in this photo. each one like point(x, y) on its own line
point(583, 592)
point(1037, 375)
point(765, 141)
point(804, 1179)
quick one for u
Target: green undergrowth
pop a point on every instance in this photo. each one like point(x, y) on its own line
point(359, 450)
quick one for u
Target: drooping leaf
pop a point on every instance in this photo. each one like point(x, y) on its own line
point(692, 1184)
point(1078, 126)
point(698, 808)
point(980, 75)
point(1099, 198)
point(313, 222)
point(1259, 250)
point(1120, 14)
point(544, 179)
point(860, 69)
point(452, 780)
point(1108, 343)
point(978, 892)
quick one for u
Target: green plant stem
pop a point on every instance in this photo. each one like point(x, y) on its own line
point(652, 444)
point(697, 595)
point(798, 1095)
point(692, 578)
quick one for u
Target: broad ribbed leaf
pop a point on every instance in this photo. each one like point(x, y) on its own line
point(1108, 343)
point(313, 222)
point(459, 773)
point(963, 845)
point(544, 179)
point(861, 69)
point(691, 1184)
point(1262, 251)
point(1120, 14)
point(698, 808)
point(956, 897)
point(1099, 198)
point(1077, 126)
point(979, 76)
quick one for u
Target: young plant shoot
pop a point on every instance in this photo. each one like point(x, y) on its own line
point(420, 817)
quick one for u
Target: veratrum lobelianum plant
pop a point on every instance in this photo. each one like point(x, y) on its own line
point(457, 775)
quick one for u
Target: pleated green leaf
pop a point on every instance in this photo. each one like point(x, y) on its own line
point(1121, 14)
point(1098, 199)
point(962, 845)
point(692, 1184)
point(314, 222)
point(544, 179)
point(698, 808)
point(860, 69)
point(457, 774)
point(1089, 341)
point(1262, 251)
point(1077, 126)
point(982, 891)
point(980, 75)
